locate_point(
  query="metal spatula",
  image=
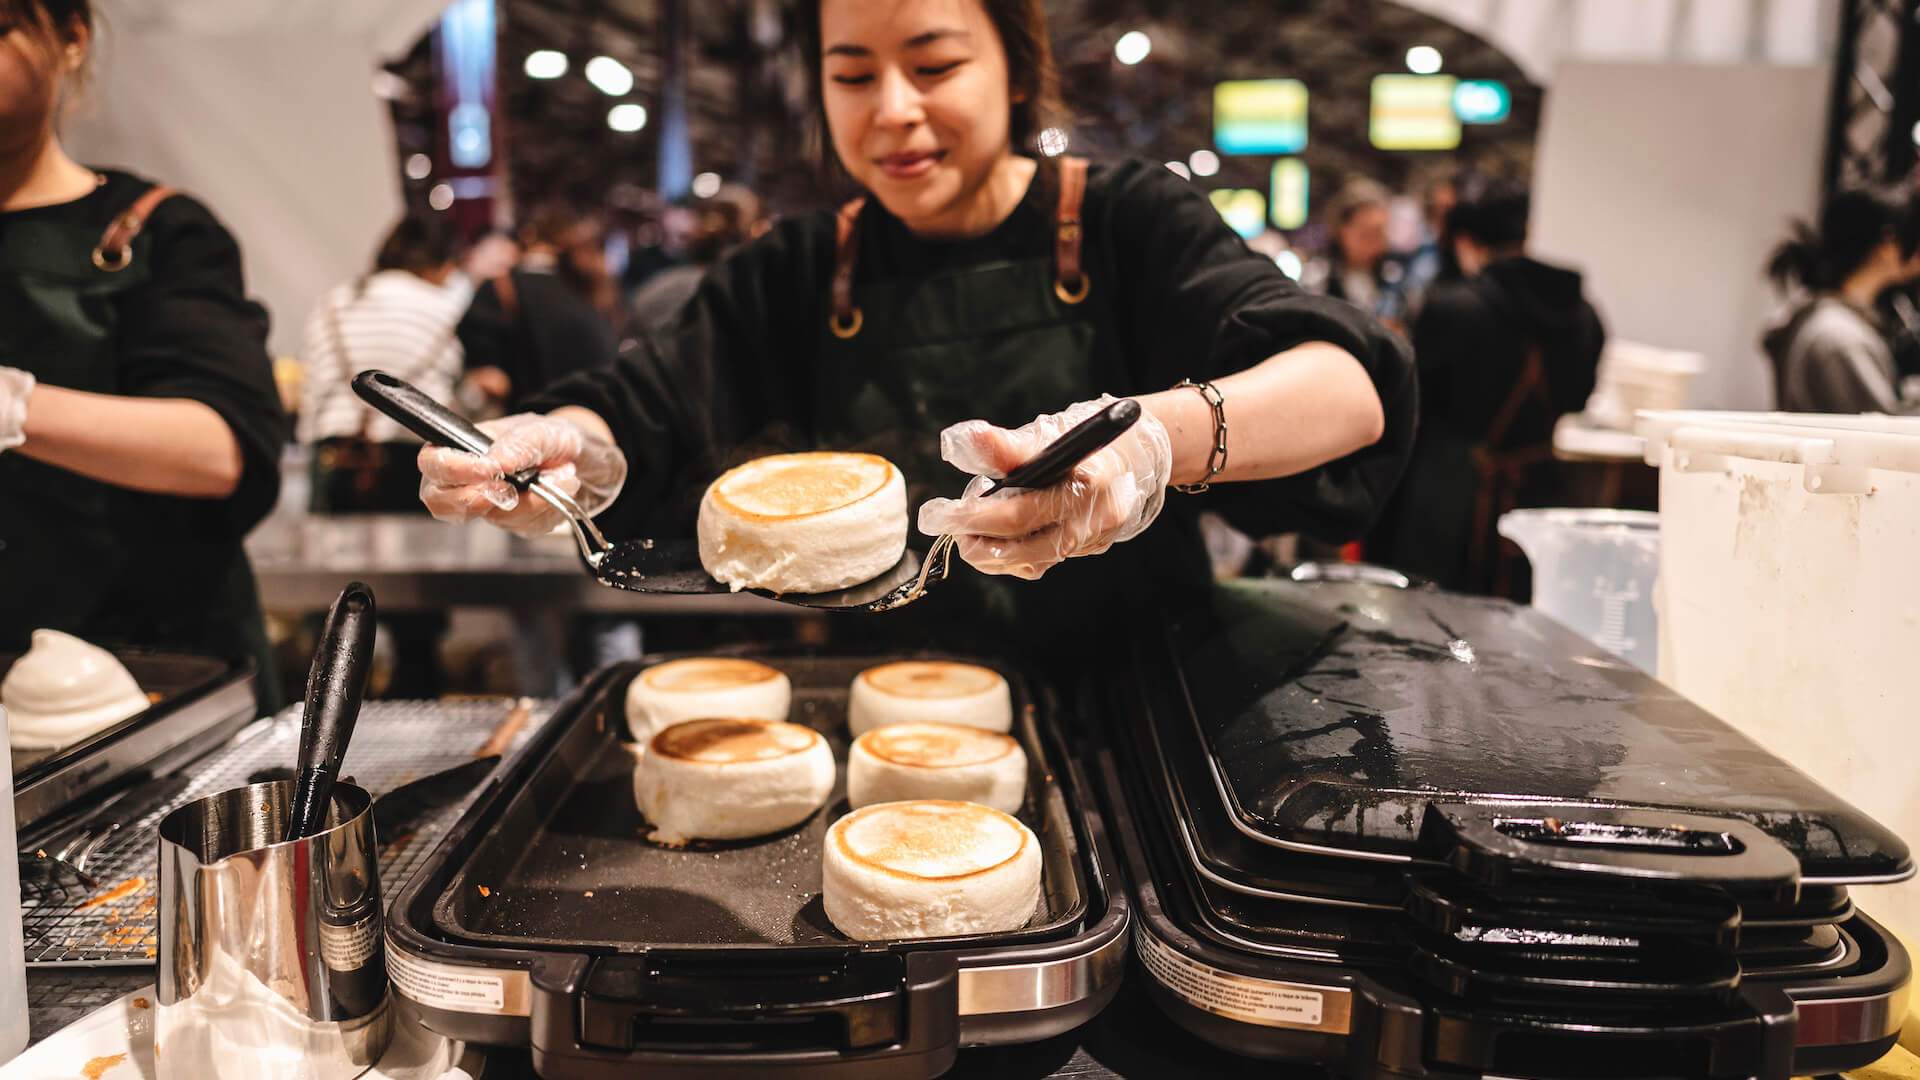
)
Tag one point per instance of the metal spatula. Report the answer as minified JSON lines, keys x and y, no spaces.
{"x":673,"y":566}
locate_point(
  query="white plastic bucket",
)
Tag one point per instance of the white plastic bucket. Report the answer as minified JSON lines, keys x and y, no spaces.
{"x":1593,"y":570}
{"x":1789,"y":597}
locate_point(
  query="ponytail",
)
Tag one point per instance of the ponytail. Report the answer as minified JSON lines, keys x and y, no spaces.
{"x":1853,"y":225}
{"x":1796,"y":262}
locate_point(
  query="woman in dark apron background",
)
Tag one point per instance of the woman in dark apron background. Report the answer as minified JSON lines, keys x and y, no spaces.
{"x":982,"y":280}
{"x":139,"y":426}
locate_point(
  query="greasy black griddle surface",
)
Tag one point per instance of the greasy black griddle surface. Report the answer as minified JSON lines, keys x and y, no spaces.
{"x":567,"y":863}
{"x":1334,"y":713}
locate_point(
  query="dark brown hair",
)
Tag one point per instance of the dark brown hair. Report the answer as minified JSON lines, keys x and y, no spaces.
{"x":1031,"y":75}
{"x":1853,"y":224}
{"x":48,"y":21}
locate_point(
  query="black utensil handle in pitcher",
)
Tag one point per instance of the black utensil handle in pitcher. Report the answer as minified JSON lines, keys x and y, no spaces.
{"x":335,"y":684}
{"x":1051,"y":465}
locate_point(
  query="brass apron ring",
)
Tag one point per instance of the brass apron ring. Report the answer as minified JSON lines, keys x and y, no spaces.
{"x":846,"y":330}
{"x":117,"y":263}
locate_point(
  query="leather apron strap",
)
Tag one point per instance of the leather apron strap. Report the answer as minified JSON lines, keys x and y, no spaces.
{"x":1070,"y":282}
{"x":115,"y":249}
{"x":1501,"y":470}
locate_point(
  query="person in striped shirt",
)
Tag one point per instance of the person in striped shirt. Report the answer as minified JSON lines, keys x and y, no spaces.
{"x":400,"y":318}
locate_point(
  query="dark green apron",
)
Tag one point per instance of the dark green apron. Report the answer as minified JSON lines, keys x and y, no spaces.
{"x":1004,"y":342}
{"x":107,"y":564}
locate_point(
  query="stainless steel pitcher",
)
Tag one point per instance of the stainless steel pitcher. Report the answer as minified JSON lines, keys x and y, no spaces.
{"x":271,"y":954}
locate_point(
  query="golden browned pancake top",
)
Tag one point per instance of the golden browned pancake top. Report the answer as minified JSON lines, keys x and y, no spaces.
{"x":936,"y":746}
{"x":730,"y":742}
{"x":931,"y":679}
{"x":929,"y":838}
{"x":800,"y":485}
{"x":707,"y":673}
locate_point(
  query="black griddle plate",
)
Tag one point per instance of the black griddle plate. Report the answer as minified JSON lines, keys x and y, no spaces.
{"x":565,"y":866}
{"x":1336,"y":714}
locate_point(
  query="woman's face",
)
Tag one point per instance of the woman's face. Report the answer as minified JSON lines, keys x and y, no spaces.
{"x":31,"y":67}
{"x":917,"y":102}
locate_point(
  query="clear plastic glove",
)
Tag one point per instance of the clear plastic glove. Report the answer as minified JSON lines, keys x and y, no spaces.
{"x":458,"y":486}
{"x":15,"y":386}
{"x":1110,"y":497}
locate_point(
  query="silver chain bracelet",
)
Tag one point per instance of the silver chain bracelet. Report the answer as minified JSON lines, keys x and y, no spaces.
{"x":1217,"y":460}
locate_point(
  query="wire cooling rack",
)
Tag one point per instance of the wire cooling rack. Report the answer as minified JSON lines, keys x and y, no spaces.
{"x":394,"y":742}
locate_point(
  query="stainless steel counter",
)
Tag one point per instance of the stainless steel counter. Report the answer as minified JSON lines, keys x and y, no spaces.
{"x":415,"y":563}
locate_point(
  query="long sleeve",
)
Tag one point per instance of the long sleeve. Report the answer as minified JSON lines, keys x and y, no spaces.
{"x":1195,"y":302}
{"x":730,"y":379}
{"x":193,"y":333}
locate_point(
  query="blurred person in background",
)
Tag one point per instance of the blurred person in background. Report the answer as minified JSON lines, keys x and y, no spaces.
{"x":1834,"y":352}
{"x":1503,"y":352}
{"x":1430,"y":260}
{"x":659,"y":243}
{"x":727,"y":220}
{"x":547,"y":318}
{"x":400,"y":317}
{"x":140,"y":429}
{"x":1356,"y":269}
{"x":490,"y":256}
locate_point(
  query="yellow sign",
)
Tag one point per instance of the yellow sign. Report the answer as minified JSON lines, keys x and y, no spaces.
{"x":1413,"y":112}
{"x":1289,"y":202}
{"x":1260,"y":116}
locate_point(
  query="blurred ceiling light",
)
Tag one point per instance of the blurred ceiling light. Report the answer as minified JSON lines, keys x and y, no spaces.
{"x":627,"y":118}
{"x":1423,"y":60}
{"x":1132,"y":47}
{"x":1053,"y":142}
{"x":419,"y":167}
{"x":1916,"y":134}
{"x":1289,"y":264}
{"x":1179,"y":169}
{"x":609,"y":76}
{"x":706,"y":185}
{"x":1204,"y":162}
{"x":546,"y":64}
{"x":440,"y":197}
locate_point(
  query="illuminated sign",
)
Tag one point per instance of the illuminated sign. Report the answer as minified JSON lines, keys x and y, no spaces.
{"x":1413,"y":112}
{"x":1260,"y":116}
{"x":1481,"y":101}
{"x":1244,"y":209}
{"x":1288,"y":201}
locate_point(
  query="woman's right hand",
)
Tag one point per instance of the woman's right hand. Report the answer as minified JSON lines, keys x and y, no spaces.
{"x":458,"y":486}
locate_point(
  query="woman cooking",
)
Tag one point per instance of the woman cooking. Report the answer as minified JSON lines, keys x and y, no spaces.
{"x":973,"y":286}
{"x":139,"y":425}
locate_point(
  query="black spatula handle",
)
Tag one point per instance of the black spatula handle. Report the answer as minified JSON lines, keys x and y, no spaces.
{"x":1051,"y":465}
{"x":335,"y":685}
{"x":403,"y":403}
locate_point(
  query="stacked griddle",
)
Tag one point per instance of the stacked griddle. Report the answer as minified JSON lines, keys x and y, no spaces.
{"x":1403,"y":833}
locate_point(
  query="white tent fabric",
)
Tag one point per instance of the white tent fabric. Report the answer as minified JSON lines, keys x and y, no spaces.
{"x":1541,"y":34}
{"x":264,"y":110}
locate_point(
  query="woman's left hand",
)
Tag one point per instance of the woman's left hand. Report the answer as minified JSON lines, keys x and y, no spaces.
{"x":1111,"y":496}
